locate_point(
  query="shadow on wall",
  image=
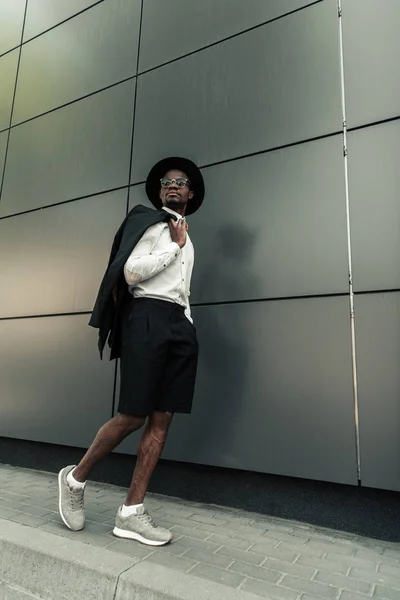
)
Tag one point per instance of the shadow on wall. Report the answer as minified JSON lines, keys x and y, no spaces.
{"x":223,"y":378}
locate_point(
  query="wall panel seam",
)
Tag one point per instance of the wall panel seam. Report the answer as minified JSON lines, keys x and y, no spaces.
{"x":12,"y":103}
{"x":61,"y":22}
{"x":206,"y":166}
{"x":230,"y":37}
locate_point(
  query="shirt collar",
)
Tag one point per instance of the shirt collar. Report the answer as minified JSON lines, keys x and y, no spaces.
{"x":172,"y":212}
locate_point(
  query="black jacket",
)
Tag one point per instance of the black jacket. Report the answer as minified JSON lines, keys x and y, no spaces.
{"x":113,"y":293}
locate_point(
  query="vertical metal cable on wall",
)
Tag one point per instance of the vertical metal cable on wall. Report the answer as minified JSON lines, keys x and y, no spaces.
{"x":349,"y":254}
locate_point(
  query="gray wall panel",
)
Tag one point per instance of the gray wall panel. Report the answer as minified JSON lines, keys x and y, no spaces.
{"x":8,"y":72}
{"x":374,"y":183}
{"x":222,"y":103}
{"x":378,"y":359}
{"x":371,"y":60}
{"x":56,"y":258}
{"x":11,"y":21}
{"x":274,"y":391}
{"x":43,"y":14}
{"x":54,"y":388}
{"x":200,"y":24}
{"x":83,"y":55}
{"x":276,"y":226}
{"x":76,"y":151}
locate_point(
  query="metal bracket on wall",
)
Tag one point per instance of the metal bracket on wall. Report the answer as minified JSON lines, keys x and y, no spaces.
{"x":349,"y":255}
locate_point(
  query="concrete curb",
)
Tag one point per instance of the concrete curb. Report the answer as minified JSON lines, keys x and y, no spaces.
{"x":56,"y":568}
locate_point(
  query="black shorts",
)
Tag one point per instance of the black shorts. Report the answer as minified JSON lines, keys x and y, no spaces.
{"x":158,"y":358}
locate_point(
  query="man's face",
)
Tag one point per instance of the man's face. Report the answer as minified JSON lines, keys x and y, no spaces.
{"x":173,"y":193}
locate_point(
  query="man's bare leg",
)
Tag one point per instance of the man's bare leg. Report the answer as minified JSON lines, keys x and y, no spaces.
{"x":108,"y":437}
{"x":149,"y":451}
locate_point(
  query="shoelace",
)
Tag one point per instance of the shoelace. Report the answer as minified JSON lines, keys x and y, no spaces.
{"x":146,"y":518}
{"x":76,"y":499}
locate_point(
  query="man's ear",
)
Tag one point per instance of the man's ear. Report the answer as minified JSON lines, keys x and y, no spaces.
{"x":191,"y":194}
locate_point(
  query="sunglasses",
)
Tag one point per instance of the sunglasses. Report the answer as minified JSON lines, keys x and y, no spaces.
{"x":180,"y":182}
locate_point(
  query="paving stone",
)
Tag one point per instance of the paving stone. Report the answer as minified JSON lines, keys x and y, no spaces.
{"x":302,"y":549}
{"x":228,"y":510}
{"x":345,"y":595}
{"x":208,"y":520}
{"x":280,"y":554}
{"x":368,"y":554}
{"x":101,"y":519}
{"x":273,"y":527}
{"x":255,"y":572}
{"x":174,"y":520}
{"x":249,"y":557}
{"x":333,"y":566}
{"x":328,"y":546}
{"x":84,"y":536}
{"x":129,"y":548}
{"x":226,"y":531}
{"x":206,"y":546}
{"x":387,"y":592}
{"x":177,"y":511}
{"x":275,"y":537}
{"x":207,"y":558}
{"x":263,"y":588}
{"x":175,"y":547}
{"x":100,"y":510}
{"x":391,"y":552}
{"x":389,"y":569}
{"x":28,"y":520}
{"x":290,"y":568}
{"x":170,"y":561}
{"x":319,"y":590}
{"x":232,"y":542}
{"x":7,"y":503}
{"x":12,"y":495}
{"x":309,"y":597}
{"x":347,"y":583}
{"x":240,"y":521}
{"x":250,"y":536}
{"x":372,"y":577}
{"x":265,"y":546}
{"x":160,"y":523}
{"x":354,"y":561}
{"x":218,"y":575}
{"x":195,"y":533}
{"x":34,"y":510}
{"x":307,"y":534}
{"x":8,"y":513}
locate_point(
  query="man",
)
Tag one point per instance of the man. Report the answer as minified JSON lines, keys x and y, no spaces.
{"x":143,"y":309}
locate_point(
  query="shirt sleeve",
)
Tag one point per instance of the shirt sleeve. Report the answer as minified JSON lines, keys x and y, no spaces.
{"x":143,"y":263}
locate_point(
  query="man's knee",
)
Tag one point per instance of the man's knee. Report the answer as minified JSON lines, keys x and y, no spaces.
{"x":130,"y":423}
{"x":159,"y":424}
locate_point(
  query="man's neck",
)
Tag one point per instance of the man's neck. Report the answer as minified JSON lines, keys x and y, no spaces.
{"x":174,"y":212}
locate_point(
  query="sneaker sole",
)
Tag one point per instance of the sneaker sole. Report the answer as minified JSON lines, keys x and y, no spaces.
{"x":131,"y":535}
{"x":60,"y":503}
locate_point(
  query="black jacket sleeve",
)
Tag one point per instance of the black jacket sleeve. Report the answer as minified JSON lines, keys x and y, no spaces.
{"x":113,"y":292}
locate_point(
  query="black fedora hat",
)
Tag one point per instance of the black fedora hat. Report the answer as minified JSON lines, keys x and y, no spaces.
{"x":181,"y":164}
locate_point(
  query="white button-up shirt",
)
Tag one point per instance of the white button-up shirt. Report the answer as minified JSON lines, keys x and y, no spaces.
{"x":159,"y":268}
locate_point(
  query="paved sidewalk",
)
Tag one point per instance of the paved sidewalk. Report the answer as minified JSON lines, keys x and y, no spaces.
{"x":268,"y":557}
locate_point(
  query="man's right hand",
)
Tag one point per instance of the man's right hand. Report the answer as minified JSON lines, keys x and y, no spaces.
{"x":178,"y":231}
